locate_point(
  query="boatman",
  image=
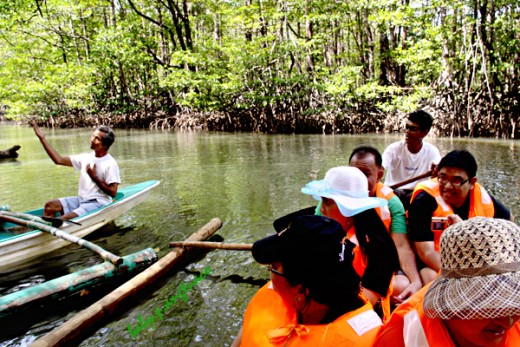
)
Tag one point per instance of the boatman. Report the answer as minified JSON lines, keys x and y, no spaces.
{"x":98,"y":180}
{"x":412,"y":157}
{"x":452,"y":197}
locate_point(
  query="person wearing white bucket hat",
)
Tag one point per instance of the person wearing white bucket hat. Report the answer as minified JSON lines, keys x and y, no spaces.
{"x":345,"y":198}
{"x":476,"y":299}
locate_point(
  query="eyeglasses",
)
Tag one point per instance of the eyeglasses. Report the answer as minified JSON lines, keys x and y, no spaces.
{"x":456,"y":182}
{"x":272,"y":269}
{"x":412,"y":128}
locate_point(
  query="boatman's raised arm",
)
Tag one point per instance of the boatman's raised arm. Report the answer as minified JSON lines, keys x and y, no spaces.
{"x":53,"y":154}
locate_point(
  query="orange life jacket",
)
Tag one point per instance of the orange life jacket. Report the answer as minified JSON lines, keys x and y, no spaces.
{"x":480,"y":203}
{"x":265,"y":311}
{"x":268,"y":322}
{"x":418,"y":330}
{"x":386,"y":193}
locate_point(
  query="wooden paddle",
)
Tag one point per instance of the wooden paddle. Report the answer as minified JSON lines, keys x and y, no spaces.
{"x":410,"y":180}
{"x":213,"y":245}
{"x":106,"y":255}
{"x":57,"y":222}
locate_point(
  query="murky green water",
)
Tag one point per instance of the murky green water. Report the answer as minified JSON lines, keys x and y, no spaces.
{"x":247,"y":180}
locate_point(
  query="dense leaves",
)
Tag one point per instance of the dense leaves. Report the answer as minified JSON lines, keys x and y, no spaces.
{"x":263,"y":65}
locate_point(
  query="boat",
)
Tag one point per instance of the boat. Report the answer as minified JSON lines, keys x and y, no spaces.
{"x":24,"y":246}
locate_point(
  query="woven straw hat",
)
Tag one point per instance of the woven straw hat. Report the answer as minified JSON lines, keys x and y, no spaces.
{"x":348,"y":187}
{"x":480,"y":276}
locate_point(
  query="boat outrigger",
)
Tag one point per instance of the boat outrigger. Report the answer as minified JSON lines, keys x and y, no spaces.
{"x":16,"y":247}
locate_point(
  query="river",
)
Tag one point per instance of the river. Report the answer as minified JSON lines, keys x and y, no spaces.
{"x":246,"y":180}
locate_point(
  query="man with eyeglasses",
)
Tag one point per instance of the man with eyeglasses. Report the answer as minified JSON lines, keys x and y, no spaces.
{"x":452,"y":197}
{"x":410,"y":157}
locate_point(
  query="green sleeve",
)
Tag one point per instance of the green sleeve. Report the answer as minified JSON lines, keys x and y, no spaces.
{"x":318,"y":208}
{"x":398,"y":216}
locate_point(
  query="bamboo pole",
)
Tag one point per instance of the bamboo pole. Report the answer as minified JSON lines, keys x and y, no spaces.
{"x":27,"y":217}
{"x":77,"y":327}
{"x":55,"y":222}
{"x":410,"y":180}
{"x":213,"y":245}
{"x":106,"y":255}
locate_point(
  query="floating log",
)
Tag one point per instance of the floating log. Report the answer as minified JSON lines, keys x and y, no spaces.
{"x":213,"y":245}
{"x":73,"y":283}
{"x":84,"y":322}
{"x":10,"y":153}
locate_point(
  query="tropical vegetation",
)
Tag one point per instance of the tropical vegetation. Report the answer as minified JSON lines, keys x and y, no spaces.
{"x":278,"y":66}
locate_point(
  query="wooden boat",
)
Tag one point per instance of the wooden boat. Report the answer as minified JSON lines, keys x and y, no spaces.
{"x":16,"y":247}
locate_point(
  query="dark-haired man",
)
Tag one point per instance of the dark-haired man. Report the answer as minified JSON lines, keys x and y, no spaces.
{"x":412,"y":156}
{"x":454,"y":195}
{"x":99,"y":175}
{"x":369,"y":161}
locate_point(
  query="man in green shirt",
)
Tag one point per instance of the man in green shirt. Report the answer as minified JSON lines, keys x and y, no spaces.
{"x":369,"y":161}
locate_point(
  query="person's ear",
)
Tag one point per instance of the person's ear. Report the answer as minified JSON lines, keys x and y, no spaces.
{"x":472,"y":182}
{"x":380,"y":173}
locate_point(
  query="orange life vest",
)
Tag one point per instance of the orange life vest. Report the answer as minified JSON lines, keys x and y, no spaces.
{"x":480,"y":203}
{"x":265,"y":311}
{"x":386,"y":193}
{"x":268,"y":322}
{"x":418,"y":330}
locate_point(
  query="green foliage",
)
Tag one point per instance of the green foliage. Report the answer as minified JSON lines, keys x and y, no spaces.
{"x":261,"y":62}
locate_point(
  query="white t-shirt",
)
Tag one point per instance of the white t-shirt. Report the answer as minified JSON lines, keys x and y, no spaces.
{"x":106,"y":169}
{"x":400,"y":164}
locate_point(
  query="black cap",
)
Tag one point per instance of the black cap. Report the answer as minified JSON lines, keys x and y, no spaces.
{"x":283,"y":222}
{"x":315,"y":252}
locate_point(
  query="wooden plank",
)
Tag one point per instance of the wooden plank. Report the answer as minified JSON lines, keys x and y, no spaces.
{"x":76,"y":328}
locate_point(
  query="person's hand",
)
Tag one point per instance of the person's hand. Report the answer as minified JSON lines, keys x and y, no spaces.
{"x":411,"y":289}
{"x":434,"y":170}
{"x":37,"y":130}
{"x":91,"y":170}
{"x":454,"y":218}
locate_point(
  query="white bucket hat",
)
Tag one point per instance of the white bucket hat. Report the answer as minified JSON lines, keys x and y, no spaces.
{"x":348,"y":187}
{"x":480,"y":276}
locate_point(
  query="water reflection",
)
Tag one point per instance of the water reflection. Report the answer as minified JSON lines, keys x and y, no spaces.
{"x":247,"y":180}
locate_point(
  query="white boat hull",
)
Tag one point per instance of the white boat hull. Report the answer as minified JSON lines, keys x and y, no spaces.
{"x":33,"y":244}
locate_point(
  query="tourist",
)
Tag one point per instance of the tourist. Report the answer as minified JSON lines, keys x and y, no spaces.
{"x":407,"y":280}
{"x":312,"y":272}
{"x":476,"y":299}
{"x":454,"y":195}
{"x":345,"y":198}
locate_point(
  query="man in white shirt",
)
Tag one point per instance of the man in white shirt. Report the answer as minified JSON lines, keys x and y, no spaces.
{"x":99,"y":175}
{"x":412,"y":156}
